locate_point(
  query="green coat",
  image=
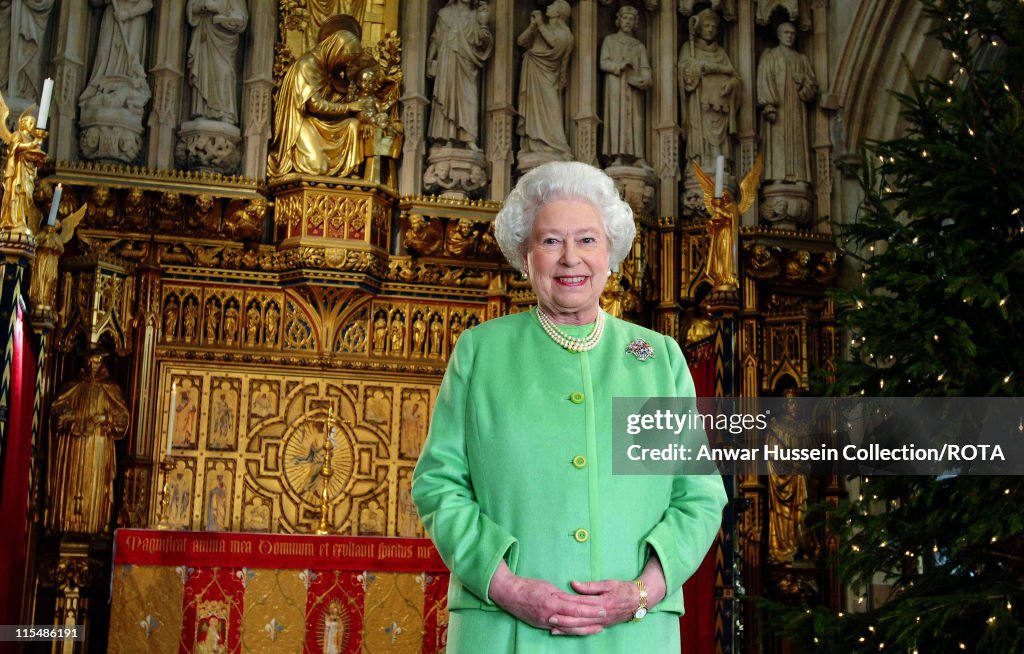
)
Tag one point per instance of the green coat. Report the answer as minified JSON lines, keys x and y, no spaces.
{"x":517,"y":464}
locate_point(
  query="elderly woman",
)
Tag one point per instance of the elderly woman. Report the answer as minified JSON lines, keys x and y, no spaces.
{"x":548,"y":550}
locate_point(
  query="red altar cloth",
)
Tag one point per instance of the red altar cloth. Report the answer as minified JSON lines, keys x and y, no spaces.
{"x":183,"y":593}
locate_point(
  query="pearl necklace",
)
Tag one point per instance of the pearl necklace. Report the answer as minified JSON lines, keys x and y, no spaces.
{"x":572,"y":343}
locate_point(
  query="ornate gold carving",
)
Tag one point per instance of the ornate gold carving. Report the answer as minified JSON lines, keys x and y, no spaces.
{"x":270,"y":480}
{"x":96,"y":301}
{"x":18,"y":211}
{"x":50,"y":242}
{"x":327,"y":212}
{"x":88,"y":416}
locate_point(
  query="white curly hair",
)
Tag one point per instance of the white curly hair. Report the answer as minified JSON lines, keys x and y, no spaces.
{"x":563,"y":180}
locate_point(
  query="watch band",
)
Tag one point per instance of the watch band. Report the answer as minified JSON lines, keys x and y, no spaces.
{"x":641,"y":609}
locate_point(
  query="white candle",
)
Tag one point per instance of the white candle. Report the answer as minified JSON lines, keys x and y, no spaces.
{"x":44,"y":103}
{"x":54,"y":205}
{"x":719,"y":176}
{"x":170,"y":418}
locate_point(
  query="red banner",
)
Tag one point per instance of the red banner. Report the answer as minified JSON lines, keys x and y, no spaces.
{"x":278,"y":551}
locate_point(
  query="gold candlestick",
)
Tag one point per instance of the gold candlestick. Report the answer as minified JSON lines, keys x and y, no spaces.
{"x":166,"y":465}
{"x":326,"y":472}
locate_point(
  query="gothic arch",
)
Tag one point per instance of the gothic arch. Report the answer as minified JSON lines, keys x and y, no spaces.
{"x":885,"y":39}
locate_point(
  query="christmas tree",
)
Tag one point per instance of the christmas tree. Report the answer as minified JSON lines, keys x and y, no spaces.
{"x":940,"y":237}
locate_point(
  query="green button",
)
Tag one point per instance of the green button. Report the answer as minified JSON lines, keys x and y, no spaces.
{"x":579,"y":461}
{"x":577,"y":398}
{"x":581,"y":535}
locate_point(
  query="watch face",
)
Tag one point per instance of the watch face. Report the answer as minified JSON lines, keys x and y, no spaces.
{"x":640,"y":613}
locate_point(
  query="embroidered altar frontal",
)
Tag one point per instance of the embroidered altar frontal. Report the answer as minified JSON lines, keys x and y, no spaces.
{"x":187,"y":592}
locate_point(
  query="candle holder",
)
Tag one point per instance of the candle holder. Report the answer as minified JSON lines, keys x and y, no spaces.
{"x":166,"y":465}
{"x":326,"y":472}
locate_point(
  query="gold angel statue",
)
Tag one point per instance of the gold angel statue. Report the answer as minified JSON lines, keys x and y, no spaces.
{"x":24,"y":156}
{"x":50,"y":242}
{"x":723,"y":225}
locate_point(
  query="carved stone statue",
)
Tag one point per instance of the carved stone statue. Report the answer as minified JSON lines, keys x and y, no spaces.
{"x":216,"y":28}
{"x":24,"y":156}
{"x":211,"y":140}
{"x":709,"y":91}
{"x":88,"y":416}
{"x":785,"y":85}
{"x":113,"y":100}
{"x":25,"y":31}
{"x":627,"y":78}
{"x":459,"y":46}
{"x":541,"y":126}
{"x":317,"y":130}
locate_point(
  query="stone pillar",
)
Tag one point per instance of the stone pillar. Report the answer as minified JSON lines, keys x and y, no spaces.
{"x":257,"y":109}
{"x":583,"y":91}
{"x":746,"y":59}
{"x":69,"y":78}
{"x":820,"y":132}
{"x":501,"y":113}
{"x":665,"y":115}
{"x":415,"y":37}
{"x":168,"y":54}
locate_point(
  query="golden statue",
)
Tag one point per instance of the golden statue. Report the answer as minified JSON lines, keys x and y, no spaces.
{"x":24,"y":156}
{"x":337,"y":106}
{"x":787,"y":490}
{"x":723,"y":225}
{"x":50,"y":242}
{"x":88,"y":416}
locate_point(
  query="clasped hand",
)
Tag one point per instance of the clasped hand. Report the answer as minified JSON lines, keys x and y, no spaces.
{"x":594,"y":606}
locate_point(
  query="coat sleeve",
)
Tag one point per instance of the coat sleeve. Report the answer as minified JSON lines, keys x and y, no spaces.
{"x":694,"y":513}
{"x":471,"y":544}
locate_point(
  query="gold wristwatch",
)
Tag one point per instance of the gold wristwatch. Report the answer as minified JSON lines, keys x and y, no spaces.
{"x":641,"y":610}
